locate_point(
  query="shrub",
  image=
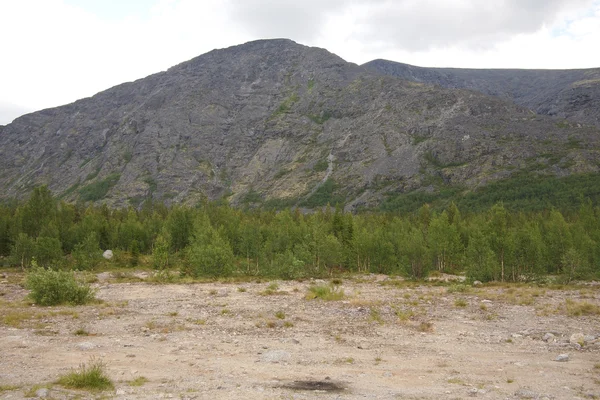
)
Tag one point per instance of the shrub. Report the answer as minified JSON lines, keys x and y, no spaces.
{"x":91,"y":377}
{"x":325,"y":292}
{"x":50,"y":288}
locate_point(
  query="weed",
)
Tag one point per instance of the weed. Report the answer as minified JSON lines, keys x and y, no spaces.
{"x":280,"y":315}
{"x":404,"y":315}
{"x":81,"y":332}
{"x":288,"y":324}
{"x":139,"y":381}
{"x":425,"y":326}
{"x":483,"y":307}
{"x":460,"y":303}
{"x":456,"y":381}
{"x":509,"y":380}
{"x":8,"y":388}
{"x":271,"y":324}
{"x":225,"y":311}
{"x":241,"y":289}
{"x":272,"y":289}
{"x":213,"y":292}
{"x":458,"y":288}
{"x":173,"y":314}
{"x":324,"y":292}
{"x":376,"y":316}
{"x":91,"y":377}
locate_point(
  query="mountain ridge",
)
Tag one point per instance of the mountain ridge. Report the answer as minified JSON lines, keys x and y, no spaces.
{"x":275,"y":121}
{"x":566,"y":93}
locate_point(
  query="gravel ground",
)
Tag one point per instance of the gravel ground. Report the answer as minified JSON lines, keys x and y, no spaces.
{"x":386,"y":339}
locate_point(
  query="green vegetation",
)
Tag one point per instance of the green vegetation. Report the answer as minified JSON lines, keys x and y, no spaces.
{"x":90,"y":377}
{"x":325,"y":292}
{"x":97,"y":190}
{"x":49,"y":288}
{"x":214,"y":241}
{"x":324,"y":195}
{"x":321,"y":166}
{"x":527,"y":192}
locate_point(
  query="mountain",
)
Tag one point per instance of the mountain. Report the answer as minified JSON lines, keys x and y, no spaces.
{"x":572,"y":94}
{"x":274,"y":122}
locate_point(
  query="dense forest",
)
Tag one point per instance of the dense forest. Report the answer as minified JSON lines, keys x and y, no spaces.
{"x":215,"y":240}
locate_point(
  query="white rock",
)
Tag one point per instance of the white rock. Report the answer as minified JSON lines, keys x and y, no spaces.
{"x":86,"y":346}
{"x":42,"y":393}
{"x":108,"y":254}
{"x":562,"y":358}
{"x":577,"y":338}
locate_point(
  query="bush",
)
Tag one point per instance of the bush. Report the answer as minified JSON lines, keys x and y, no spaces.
{"x":90,"y":377}
{"x":325,"y":292}
{"x":49,"y":288}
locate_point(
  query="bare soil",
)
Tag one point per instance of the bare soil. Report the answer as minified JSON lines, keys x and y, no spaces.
{"x":386,"y":339}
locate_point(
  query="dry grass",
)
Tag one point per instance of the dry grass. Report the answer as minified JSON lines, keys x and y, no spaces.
{"x":579,"y":308}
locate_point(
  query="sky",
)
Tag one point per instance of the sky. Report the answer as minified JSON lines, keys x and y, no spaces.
{"x":54,"y":52}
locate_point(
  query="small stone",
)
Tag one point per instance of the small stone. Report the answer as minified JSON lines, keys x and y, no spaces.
{"x":86,"y":346}
{"x":562,"y":358}
{"x":486,"y":301}
{"x":577,"y":338}
{"x":477,"y":283}
{"x":108,"y":254}
{"x":548,"y":337}
{"x":42,"y":393}
{"x":473,"y":392}
{"x":120,"y":392}
{"x":526,"y":394}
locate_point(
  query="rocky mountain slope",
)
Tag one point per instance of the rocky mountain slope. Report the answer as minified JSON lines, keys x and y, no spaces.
{"x":573,"y":94}
{"x":275,"y":121}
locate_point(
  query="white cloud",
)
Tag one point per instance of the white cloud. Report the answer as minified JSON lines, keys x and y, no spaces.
{"x":59,"y":52}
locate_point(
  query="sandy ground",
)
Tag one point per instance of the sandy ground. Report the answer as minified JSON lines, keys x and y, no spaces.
{"x":386,"y":339}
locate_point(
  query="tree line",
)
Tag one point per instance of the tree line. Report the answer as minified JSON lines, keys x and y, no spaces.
{"x":215,"y":240}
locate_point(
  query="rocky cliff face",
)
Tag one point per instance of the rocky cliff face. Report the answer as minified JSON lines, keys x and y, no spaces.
{"x":274,"y":120}
{"x":573,"y":94}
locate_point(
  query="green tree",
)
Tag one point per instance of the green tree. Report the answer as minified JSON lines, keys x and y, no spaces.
{"x":209,"y":254}
{"x":87,"y":254}
{"x":23,"y":250}
{"x":160,"y":252}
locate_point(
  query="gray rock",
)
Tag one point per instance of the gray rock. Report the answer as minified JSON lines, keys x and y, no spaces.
{"x":275,"y":356}
{"x":526,"y":394}
{"x":477,"y":283}
{"x":42,"y":393}
{"x":562,"y":358}
{"x":108,"y":254}
{"x":548,"y":337}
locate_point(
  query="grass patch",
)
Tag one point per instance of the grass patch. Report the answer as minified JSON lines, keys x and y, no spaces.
{"x":580,"y":308}
{"x":98,"y":190}
{"x":139,"y":381}
{"x":280,"y":315}
{"x":325,"y":292}
{"x":89,"y":377}
{"x":460,"y":303}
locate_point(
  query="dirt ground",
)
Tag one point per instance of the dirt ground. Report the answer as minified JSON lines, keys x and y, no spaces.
{"x":385,"y":339}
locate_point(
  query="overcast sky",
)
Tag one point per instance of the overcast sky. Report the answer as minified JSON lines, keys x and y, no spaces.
{"x":54,"y":52}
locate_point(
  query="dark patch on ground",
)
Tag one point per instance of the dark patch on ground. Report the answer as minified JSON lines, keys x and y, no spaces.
{"x":326,"y":386}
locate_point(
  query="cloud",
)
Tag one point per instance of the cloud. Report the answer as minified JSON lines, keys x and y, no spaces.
{"x":298,"y":20}
{"x":9,"y":111}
